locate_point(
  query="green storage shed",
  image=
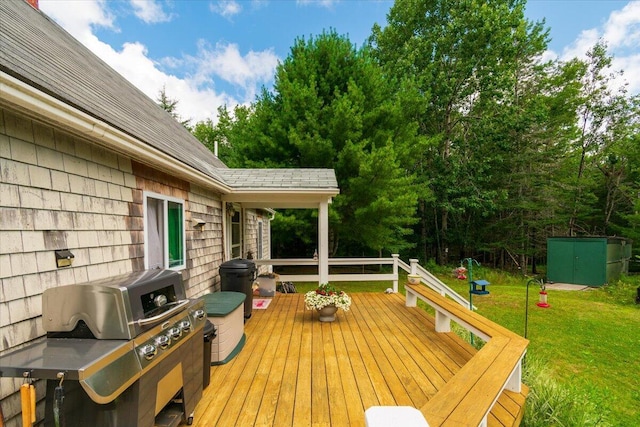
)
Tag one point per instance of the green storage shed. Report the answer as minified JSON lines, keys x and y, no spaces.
{"x":592,"y":261}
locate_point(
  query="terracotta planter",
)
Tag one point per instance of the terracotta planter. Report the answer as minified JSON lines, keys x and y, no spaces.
{"x":328,"y":313}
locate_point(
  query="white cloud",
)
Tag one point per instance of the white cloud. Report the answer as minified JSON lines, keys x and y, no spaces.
{"x":225,"y":61}
{"x":548,"y":55}
{"x":631,"y":67}
{"x":79,"y":17}
{"x":585,"y":41}
{"x":149,"y":11}
{"x":226,"y":8}
{"x":197,"y":96}
{"x":621,"y":32}
{"x":623,"y":27}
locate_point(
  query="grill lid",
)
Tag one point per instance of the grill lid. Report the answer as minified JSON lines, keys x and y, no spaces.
{"x":120,"y":307}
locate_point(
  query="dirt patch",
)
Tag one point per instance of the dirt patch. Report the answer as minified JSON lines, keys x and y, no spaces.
{"x":567,"y":287}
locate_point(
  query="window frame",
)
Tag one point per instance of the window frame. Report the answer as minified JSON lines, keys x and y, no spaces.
{"x":260,"y":241}
{"x":236,"y":209}
{"x":239,"y":228}
{"x":165,"y":229}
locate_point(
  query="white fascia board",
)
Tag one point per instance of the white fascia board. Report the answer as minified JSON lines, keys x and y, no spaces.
{"x":53,"y":111}
{"x":281,"y":198}
{"x":303,"y":192}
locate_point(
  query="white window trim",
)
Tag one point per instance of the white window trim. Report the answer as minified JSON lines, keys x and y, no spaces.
{"x":229,"y":231}
{"x":165,"y":199}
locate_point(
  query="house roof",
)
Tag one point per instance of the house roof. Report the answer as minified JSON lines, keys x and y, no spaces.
{"x":280,"y":188}
{"x":39,"y":53}
{"x":279,"y":178}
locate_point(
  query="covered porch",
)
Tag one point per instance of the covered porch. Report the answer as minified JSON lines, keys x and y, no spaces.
{"x":297,"y":371}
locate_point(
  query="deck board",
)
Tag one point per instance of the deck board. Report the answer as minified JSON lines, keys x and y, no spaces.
{"x":297,"y":371}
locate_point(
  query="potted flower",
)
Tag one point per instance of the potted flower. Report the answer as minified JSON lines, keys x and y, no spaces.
{"x":327,"y":300}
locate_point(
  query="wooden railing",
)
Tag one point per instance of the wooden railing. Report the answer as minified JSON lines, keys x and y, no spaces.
{"x":349,"y":277}
{"x":467,"y":398}
{"x":414,"y":268}
{"x":433,"y":282}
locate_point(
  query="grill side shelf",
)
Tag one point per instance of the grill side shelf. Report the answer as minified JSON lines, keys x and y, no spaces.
{"x":76,"y":358}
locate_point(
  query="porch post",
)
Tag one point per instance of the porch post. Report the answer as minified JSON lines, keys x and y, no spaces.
{"x":395,"y":272}
{"x":414,"y":265}
{"x":323,"y":242}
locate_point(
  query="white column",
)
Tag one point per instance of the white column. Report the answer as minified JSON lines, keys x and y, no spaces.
{"x":323,"y":242}
{"x":414,"y":265}
{"x":443,"y":322}
{"x":515,"y":379}
{"x":411,"y":299}
{"x":395,"y":272}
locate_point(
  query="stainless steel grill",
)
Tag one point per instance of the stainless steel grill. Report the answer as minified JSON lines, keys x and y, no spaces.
{"x":129,"y":350}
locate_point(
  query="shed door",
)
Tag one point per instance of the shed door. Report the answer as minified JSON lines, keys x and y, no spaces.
{"x":560,"y":261}
{"x":589,"y":257}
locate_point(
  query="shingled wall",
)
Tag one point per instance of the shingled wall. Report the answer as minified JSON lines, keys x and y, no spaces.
{"x":58,"y":191}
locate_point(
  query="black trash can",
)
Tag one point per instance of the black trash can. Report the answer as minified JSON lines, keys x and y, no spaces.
{"x":237,"y":275}
{"x":209,"y":335}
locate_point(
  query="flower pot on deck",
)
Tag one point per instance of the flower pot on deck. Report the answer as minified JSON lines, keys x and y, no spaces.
{"x":328,"y":313}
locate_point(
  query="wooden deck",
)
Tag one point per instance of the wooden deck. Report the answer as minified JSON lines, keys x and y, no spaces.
{"x":297,"y":371}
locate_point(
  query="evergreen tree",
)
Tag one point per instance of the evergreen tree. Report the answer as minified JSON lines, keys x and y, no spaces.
{"x":331,"y":107}
{"x":170,"y":105}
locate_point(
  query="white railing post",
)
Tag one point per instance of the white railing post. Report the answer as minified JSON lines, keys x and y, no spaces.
{"x":515,"y":380}
{"x":411,"y":299}
{"x":395,"y":272}
{"x":443,"y":322}
{"x":414,"y":266}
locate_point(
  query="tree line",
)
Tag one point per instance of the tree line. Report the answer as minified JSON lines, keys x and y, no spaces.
{"x":450,"y":136}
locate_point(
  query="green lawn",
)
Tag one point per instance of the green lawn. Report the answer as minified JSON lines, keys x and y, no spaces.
{"x":589,"y":340}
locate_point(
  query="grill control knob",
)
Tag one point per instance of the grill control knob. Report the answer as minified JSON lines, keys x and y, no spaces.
{"x":163,"y":341}
{"x":175,"y":333}
{"x":160,"y":300}
{"x":148,"y":351}
{"x":185,"y":325}
{"x":199,"y":314}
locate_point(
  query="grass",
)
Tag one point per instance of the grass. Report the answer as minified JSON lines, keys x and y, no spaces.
{"x":586,"y":347}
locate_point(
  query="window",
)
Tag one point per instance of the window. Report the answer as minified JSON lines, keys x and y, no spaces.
{"x":164,"y":232}
{"x":236,"y":235}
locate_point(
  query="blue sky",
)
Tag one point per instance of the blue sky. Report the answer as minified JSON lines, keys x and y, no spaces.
{"x":207,"y":53}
